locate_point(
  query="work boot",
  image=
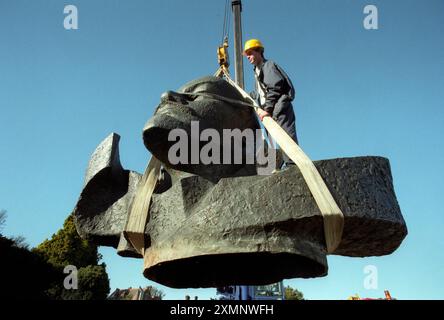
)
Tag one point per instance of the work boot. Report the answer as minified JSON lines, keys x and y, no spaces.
{"x":279,"y":160}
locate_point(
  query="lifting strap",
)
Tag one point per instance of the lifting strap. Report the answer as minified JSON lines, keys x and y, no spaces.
{"x":331,"y":213}
{"x":134,"y":231}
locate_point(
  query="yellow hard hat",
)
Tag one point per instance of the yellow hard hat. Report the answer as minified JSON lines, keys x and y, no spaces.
{"x":252,"y":43}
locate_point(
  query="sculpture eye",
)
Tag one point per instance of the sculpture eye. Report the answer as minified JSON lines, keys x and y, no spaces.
{"x":171,"y":96}
{"x":198,"y":97}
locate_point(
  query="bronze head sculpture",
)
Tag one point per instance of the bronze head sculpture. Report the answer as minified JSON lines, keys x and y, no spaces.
{"x":221,"y":224}
{"x":204,"y":104}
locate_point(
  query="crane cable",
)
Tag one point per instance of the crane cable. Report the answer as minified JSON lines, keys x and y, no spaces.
{"x":226,"y":25}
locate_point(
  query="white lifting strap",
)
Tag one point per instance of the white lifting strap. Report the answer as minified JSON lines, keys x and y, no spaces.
{"x":138,"y":216}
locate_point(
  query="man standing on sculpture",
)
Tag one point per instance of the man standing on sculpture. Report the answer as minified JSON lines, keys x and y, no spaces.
{"x":274,"y":91}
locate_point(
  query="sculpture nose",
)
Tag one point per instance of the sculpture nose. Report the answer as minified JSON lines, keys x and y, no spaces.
{"x":174,"y":97}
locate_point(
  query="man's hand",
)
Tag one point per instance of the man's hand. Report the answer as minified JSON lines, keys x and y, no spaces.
{"x":262,"y":114}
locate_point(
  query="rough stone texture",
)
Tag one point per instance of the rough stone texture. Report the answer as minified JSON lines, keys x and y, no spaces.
{"x":197,"y":225}
{"x":101,"y":211}
{"x":363,"y":189}
{"x":267,"y":228}
{"x":106,"y":156}
{"x":217,"y":225}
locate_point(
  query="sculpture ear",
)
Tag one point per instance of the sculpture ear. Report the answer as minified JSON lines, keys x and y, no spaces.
{"x":105,"y":195}
{"x":164,"y":181}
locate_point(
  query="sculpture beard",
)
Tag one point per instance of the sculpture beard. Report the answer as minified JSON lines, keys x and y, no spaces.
{"x":219,"y":224}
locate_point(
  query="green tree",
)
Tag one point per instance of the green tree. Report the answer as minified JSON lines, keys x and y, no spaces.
{"x":67,"y":248}
{"x":293,"y":294}
{"x":93,"y":284}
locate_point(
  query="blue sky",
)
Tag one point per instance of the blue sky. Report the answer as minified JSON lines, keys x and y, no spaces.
{"x":359,"y":92}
